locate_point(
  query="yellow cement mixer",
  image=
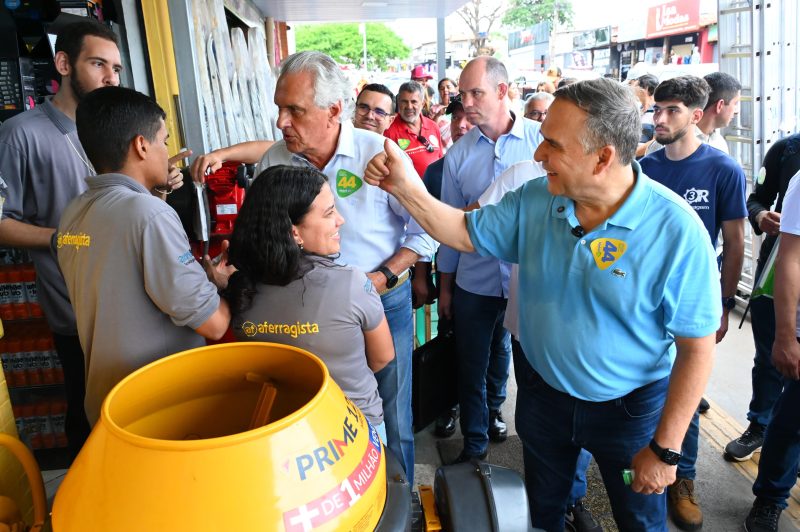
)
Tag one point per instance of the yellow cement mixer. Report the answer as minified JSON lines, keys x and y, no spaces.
{"x":243,"y":436}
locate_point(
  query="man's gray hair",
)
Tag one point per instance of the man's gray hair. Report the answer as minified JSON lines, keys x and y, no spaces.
{"x":330,"y":83}
{"x":613,"y":115}
{"x":541,"y":95}
{"x":412,"y":86}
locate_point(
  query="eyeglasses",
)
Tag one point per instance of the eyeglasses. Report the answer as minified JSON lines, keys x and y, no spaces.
{"x":535,"y":115}
{"x":364,"y":109}
{"x":422,"y":140}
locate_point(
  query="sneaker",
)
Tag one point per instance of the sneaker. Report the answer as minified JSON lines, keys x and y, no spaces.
{"x":743,"y":447}
{"x":683,"y":506}
{"x":703,"y":407}
{"x":763,"y":517}
{"x":580,"y":519}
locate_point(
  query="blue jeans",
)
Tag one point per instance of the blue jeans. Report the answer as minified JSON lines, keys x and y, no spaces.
{"x":484,"y":355}
{"x":767,"y":381}
{"x":777,"y":469}
{"x":686,"y":465}
{"x":394,"y":380}
{"x":554,"y":426}
{"x":579,"y":483}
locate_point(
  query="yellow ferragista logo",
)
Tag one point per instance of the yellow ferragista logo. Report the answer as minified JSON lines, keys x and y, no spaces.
{"x":79,"y":240}
{"x":288,"y":329}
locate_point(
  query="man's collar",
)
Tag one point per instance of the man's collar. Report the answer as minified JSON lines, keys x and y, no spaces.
{"x":517,"y":129}
{"x":628,"y":215}
{"x":345,"y":145}
{"x":115,"y":179}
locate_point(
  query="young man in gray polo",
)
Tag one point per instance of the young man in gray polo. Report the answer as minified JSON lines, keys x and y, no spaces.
{"x":42,"y":167}
{"x":137,"y":291}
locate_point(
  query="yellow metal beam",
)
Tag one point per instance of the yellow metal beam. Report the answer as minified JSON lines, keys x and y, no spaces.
{"x":163,"y":68}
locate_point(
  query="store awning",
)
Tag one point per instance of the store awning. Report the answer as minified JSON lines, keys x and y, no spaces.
{"x":356,"y":10}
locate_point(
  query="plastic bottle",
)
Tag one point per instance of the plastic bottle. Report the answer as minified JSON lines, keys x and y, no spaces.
{"x":58,"y":419}
{"x":18,"y":375}
{"x":6,"y":312}
{"x":16,"y":290}
{"x":44,"y":424}
{"x":5,"y":358}
{"x":32,"y":426}
{"x":58,"y":370}
{"x":44,"y":346}
{"x":29,"y":282}
{"x":31,"y":360}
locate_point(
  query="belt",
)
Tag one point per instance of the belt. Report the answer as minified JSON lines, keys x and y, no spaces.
{"x":403,"y":277}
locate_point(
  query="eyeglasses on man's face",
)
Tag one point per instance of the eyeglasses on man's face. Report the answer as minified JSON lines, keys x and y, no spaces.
{"x":535,"y":115}
{"x":364,"y":109}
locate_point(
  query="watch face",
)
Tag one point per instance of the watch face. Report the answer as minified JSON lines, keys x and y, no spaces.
{"x":670,"y":457}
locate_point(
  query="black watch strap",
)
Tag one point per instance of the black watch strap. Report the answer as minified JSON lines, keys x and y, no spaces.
{"x":729,"y":303}
{"x":391,"y":278}
{"x":668,"y":456}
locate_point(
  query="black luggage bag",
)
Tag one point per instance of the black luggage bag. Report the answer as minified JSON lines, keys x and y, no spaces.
{"x":479,"y":496}
{"x":433,"y":385}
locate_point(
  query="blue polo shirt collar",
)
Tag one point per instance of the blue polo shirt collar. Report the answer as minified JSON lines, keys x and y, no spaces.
{"x":629,"y":214}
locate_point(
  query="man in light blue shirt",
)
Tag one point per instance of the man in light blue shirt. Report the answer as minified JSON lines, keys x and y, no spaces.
{"x":480,"y":291}
{"x":619,"y":333}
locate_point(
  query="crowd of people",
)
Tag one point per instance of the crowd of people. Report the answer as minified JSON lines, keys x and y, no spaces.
{"x":578,"y":233}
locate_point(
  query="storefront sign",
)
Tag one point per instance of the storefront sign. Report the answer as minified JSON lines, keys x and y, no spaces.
{"x":673,"y":17}
{"x":536,"y":34}
{"x":596,"y":38}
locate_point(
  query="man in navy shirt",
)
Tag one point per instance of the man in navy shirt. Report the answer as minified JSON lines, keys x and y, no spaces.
{"x":714,"y":186}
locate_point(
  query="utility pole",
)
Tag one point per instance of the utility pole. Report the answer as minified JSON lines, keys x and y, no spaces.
{"x":362,"y":29}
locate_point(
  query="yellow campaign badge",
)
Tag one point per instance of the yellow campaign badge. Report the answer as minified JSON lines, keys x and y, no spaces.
{"x":347,"y":183}
{"x":607,"y":251}
{"x":403,"y":143}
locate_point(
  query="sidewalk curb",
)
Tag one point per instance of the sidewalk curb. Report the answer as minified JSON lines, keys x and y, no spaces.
{"x":719,"y":428}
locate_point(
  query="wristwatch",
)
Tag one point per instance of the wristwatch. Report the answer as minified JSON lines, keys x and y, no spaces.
{"x":391,"y":279}
{"x":728,"y":303}
{"x":668,"y":456}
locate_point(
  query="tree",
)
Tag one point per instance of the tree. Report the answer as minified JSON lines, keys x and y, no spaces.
{"x":526,"y":13}
{"x":343,"y":42}
{"x":480,"y":16}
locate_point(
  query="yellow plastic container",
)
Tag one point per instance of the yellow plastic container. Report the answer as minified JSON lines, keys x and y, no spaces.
{"x":172,"y":450}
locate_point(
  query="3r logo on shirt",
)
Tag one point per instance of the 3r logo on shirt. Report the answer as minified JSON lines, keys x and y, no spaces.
{"x":694,"y":195}
{"x":347,"y":183}
{"x":403,"y":143}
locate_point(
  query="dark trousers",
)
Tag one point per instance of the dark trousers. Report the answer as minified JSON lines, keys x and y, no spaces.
{"x":777,"y":469}
{"x":484,"y":357}
{"x":70,"y":354}
{"x":767,"y":381}
{"x":554,"y":426}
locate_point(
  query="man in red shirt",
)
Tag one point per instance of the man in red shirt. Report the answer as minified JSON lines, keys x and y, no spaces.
{"x":417,"y":135}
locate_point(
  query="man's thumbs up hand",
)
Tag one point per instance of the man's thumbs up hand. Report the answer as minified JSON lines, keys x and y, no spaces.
{"x":386,"y":169}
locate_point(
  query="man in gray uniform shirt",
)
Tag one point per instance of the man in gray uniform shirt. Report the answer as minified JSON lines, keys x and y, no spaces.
{"x":42,"y":167}
{"x":137,"y":291}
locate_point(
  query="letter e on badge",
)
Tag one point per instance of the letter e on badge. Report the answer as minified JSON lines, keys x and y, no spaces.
{"x":607,"y":251}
